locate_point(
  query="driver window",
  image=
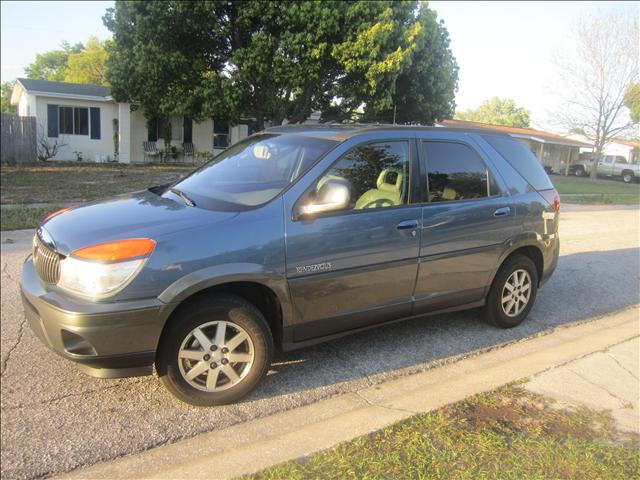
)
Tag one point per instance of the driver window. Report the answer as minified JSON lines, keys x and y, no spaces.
{"x":377,"y":175}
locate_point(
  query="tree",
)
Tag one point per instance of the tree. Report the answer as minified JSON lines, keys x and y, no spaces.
{"x":498,"y":111}
{"x":46,"y":147}
{"x":5,"y":98}
{"x":595,"y":74}
{"x":399,"y":69}
{"x":632,"y":101}
{"x":52,"y":65}
{"x":277,"y":61}
{"x":88,"y":65}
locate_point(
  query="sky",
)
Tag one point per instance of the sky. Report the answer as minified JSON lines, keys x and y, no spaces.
{"x":503,"y":49}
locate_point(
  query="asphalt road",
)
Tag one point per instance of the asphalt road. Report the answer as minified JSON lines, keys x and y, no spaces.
{"x":56,"y":419}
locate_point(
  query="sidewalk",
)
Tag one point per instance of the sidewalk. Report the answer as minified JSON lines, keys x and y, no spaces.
{"x":254,"y":445}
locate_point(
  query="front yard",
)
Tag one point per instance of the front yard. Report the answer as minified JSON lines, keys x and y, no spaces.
{"x":601,"y":191}
{"x":507,"y":433}
{"x":29,"y":193}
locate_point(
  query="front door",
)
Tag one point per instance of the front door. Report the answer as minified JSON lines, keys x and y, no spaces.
{"x":357,"y":266}
{"x":465,"y":222}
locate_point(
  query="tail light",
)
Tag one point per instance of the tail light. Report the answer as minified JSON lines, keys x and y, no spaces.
{"x":553,"y":197}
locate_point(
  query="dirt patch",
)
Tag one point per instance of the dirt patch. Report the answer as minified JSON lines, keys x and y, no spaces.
{"x":516,"y":410}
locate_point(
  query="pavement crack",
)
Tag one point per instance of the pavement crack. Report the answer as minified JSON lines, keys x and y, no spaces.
{"x":373,"y":404}
{"x":622,"y":366}
{"x":13,"y":347}
{"x":48,"y":401}
{"x":623,"y":402}
{"x":20,"y":330}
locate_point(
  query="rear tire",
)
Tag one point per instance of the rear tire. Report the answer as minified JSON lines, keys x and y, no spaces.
{"x":512,"y":293}
{"x":627,"y":177}
{"x":579,"y":171}
{"x":196,"y":356}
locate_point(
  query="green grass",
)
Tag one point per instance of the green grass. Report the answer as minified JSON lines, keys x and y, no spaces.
{"x":71,"y":182}
{"x":507,"y":433}
{"x":19,"y":217}
{"x":580,"y":185}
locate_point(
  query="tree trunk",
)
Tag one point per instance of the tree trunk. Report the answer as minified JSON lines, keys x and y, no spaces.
{"x":596,"y":159}
{"x":259,"y":121}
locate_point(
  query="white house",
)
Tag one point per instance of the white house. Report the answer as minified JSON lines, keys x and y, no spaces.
{"x":628,"y":149}
{"x":85,"y":118}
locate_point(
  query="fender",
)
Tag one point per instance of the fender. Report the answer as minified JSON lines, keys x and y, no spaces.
{"x":199,"y":280}
{"x":524,"y":239}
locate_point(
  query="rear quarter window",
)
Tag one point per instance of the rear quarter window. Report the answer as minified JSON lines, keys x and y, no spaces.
{"x":521,"y":159}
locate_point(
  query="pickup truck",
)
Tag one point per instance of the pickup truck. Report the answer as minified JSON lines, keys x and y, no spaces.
{"x":610,"y":166}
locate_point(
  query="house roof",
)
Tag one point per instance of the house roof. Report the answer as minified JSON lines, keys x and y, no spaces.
{"x":60,"y":89}
{"x":528,"y":133}
{"x":628,"y":143}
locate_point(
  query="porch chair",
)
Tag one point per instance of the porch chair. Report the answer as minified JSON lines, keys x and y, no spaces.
{"x":188,"y":151}
{"x":150,"y":150}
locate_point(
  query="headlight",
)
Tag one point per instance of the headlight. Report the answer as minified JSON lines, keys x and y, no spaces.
{"x":96,"y":279}
{"x":104,"y":269}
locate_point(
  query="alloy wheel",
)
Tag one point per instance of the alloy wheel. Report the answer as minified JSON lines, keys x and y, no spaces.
{"x":516,"y":293}
{"x":216,"y":356}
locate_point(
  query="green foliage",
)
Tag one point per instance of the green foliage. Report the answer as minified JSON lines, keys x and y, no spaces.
{"x":632,"y":101}
{"x":5,"y":98}
{"x":89,"y":65}
{"x":76,"y":64}
{"x":282,"y":60}
{"x":53,"y":65}
{"x":498,"y":111}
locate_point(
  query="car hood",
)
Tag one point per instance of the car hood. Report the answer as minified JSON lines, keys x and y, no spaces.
{"x":136,"y":215}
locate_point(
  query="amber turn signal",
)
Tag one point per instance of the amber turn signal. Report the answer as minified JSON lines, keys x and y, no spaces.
{"x":118,"y":250}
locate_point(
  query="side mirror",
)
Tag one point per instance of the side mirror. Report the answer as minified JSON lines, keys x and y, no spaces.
{"x":333,"y":195}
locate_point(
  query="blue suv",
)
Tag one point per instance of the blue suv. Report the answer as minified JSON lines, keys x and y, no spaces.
{"x":293,"y":236}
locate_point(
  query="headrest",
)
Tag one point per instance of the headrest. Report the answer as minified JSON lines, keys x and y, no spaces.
{"x":449,"y":194}
{"x":385,"y":178}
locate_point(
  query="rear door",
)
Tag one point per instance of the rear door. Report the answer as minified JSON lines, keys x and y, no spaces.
{"x":467,"y":216}
{"x":356,"y":267}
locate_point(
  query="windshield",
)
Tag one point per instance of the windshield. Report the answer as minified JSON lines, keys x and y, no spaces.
{"x":255,"y":170}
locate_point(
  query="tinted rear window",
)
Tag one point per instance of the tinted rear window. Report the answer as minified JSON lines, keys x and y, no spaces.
{"x":522,"y":159}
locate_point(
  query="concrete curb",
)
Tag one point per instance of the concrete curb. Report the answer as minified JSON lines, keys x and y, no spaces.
{"x":251,"y":446}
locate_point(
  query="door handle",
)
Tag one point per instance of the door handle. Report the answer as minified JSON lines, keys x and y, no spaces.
{"x":502,"y":212}
{"x":407,"y":225}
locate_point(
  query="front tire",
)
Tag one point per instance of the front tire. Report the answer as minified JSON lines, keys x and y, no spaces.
{"x":627,"y":177}
{"x":579,"y":171}
{"x":215,"y":352}
{"x":512,"y":293}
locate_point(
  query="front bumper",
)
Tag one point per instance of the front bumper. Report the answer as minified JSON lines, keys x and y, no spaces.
{"x":107,"y":340}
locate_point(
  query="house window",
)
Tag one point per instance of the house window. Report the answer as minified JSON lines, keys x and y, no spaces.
{"x":187,"y":129}
{"x":74,"y":120}
{"x":220,"y":134}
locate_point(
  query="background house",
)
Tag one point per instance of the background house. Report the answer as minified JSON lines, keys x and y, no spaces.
{"x":86,"y":117}
{"x":630,"y":150}
{"x":554,"y":151}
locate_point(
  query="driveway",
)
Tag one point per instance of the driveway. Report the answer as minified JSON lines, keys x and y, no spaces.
{"x":55,"y":419}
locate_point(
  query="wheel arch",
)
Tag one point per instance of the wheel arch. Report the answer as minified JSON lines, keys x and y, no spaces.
{"x":267,"y":291}
{"x":527,"y":248}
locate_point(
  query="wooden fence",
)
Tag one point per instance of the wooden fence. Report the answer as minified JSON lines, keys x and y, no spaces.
{"x":18,"y":139}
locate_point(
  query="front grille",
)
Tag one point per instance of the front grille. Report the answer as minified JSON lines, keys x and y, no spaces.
{"x":47,"y":262}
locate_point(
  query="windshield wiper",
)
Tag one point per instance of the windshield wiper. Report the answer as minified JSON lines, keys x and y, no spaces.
{"x":183,"y":196}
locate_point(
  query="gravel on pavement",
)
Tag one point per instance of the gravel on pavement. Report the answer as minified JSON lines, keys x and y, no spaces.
{"x":56,"y":419}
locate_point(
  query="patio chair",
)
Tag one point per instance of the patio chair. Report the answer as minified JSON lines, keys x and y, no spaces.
{"x":150,"y":150}
{"x":188,"y":151}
